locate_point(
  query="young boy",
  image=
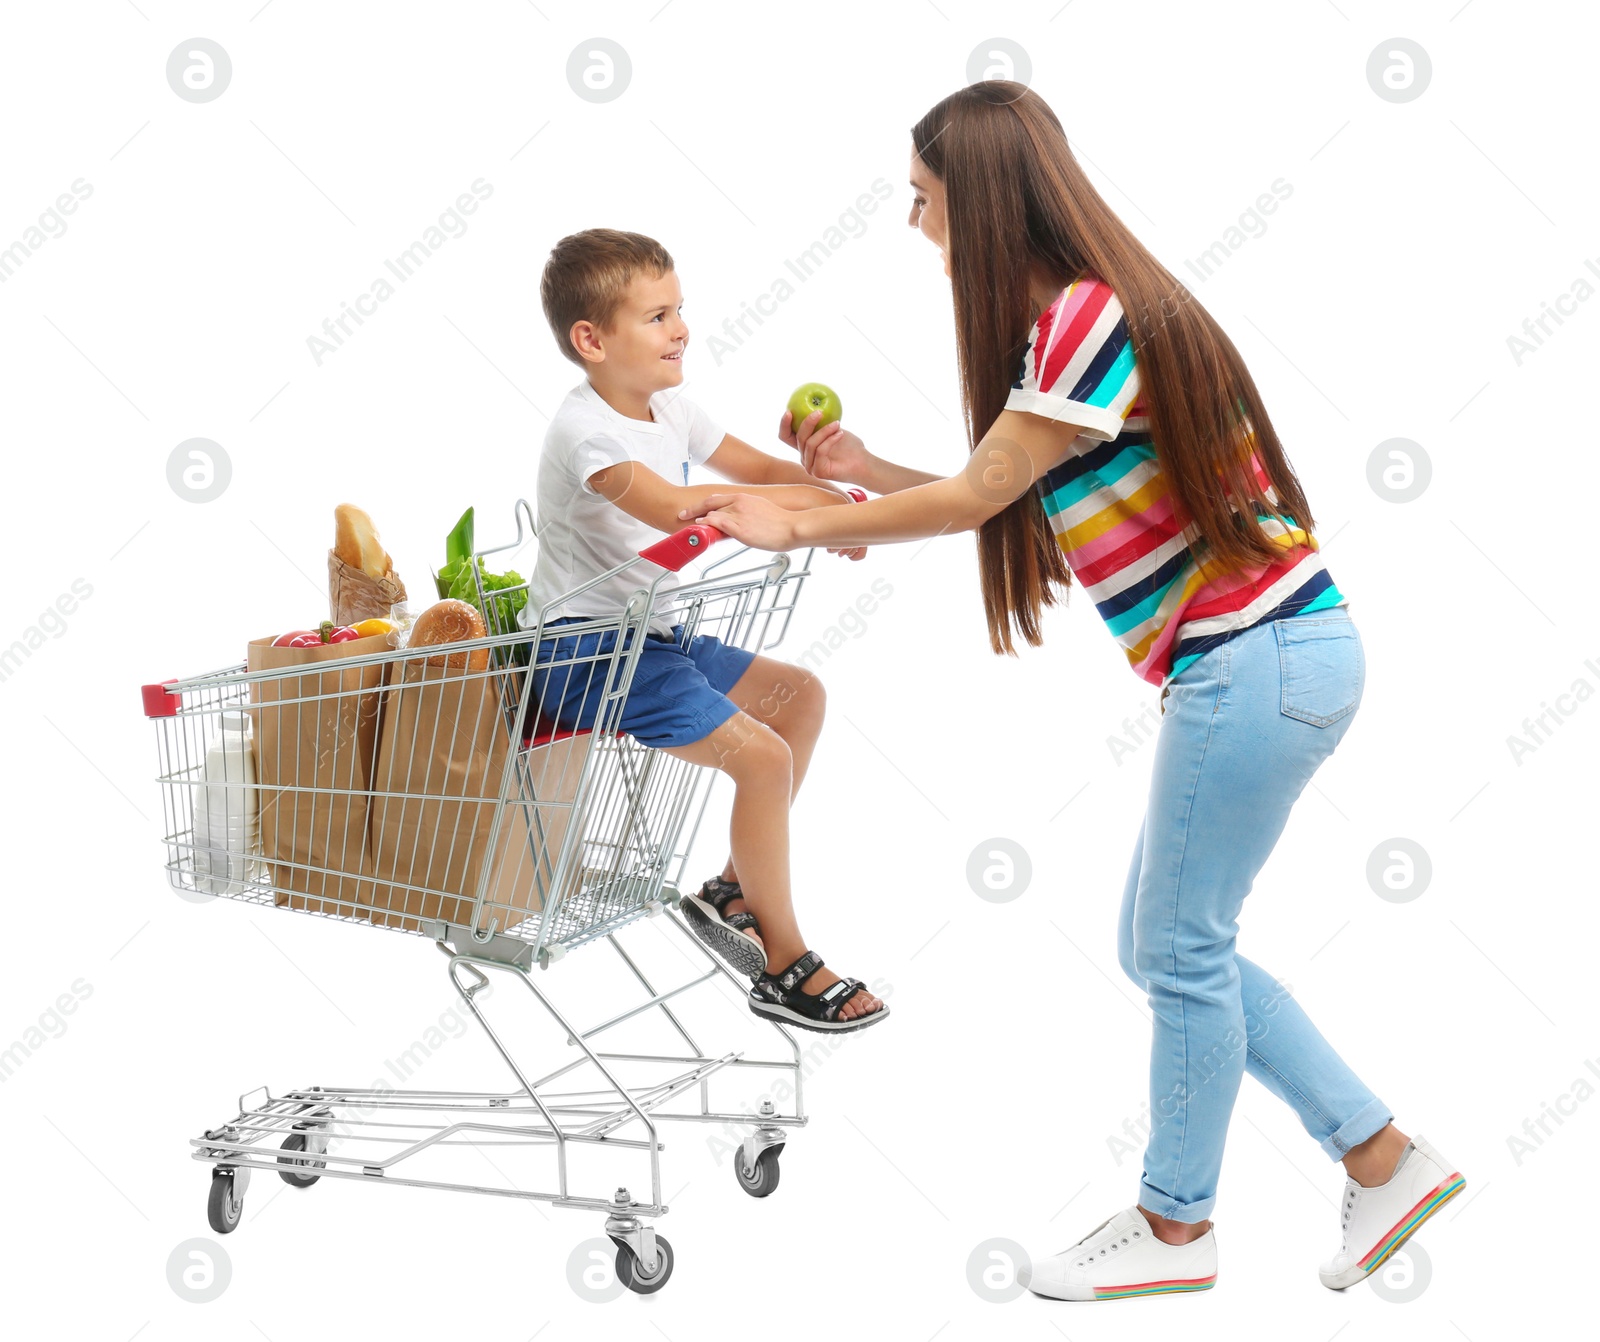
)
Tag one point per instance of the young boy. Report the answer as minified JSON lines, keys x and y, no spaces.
{"x":613,"y":477}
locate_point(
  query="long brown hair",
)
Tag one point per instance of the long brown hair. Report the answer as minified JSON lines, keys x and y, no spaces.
{"x":1018,"y":204}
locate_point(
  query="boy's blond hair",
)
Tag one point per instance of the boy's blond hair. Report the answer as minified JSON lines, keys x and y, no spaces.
{"x":587,"y":275}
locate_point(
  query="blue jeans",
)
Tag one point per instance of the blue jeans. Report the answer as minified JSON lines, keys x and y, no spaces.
{"x":1243,"y":728}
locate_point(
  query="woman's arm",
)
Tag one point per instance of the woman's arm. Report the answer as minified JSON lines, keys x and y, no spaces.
{"x":656,"y":502}
{"x":738,"y":461}
{"x":795,"y":496}
{"x":1018,"y":449}
{"x":886,"y":477}
{"x":942,"y":505}
{"x":834,"y":453}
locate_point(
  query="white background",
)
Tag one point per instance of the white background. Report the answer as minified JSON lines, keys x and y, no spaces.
{"x":1377,"y":304}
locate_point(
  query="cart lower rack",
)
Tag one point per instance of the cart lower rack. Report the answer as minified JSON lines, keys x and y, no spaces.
{"x":438,"y":792}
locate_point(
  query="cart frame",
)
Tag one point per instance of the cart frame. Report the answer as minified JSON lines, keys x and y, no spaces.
{"x":388,"y":1136}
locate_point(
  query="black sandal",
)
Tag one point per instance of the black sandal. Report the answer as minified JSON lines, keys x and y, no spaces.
{"x":725,"y":934}
{"x":778,"y":997}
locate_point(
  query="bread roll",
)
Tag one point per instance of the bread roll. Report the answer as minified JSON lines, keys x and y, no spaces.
{"x":356,"y":541}
{"x":451,"y":622}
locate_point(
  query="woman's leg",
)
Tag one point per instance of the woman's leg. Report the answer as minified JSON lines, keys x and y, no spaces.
{"x":1230,"y":763}
{"x":1312,"y":1094}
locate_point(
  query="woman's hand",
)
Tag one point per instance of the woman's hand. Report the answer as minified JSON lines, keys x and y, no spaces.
{"x":749,"y":519}
{"x":829,"y":453}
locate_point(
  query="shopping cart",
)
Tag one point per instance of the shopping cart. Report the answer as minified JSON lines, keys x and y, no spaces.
{"x":543,"y":841}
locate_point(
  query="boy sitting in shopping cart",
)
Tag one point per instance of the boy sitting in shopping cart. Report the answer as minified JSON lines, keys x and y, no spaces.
{"x":614,"y":476}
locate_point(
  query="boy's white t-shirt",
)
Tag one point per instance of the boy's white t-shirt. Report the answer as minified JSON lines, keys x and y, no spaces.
{"x":581,"y":533}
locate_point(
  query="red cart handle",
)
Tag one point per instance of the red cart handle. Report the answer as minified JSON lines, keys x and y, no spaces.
{"x":158,"y":703}
{"x":683,"y":545}
{"x":693,"y":541}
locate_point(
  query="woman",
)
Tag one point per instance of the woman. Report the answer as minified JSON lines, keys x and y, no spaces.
{"x":1117,"y":438}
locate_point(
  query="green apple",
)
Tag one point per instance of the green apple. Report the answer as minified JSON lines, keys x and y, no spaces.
{"x":814,"y":396}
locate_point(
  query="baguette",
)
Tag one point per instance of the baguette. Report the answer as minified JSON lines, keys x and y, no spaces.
{"x":356,"y":541}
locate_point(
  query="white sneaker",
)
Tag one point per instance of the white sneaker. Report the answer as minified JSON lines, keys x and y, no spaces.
{"x":1119,"y":1258}
{"x":1376,"y":1221}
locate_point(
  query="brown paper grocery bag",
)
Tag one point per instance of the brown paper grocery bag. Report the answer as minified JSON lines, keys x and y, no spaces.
{"x":442,"y":753}
{"x":354,"y":596}
{"x":316,"y":731}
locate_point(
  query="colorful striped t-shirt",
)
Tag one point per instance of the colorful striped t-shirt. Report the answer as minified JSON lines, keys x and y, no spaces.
{"x":1109,"y":506}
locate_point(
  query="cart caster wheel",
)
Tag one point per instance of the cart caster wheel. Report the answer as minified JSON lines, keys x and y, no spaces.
{"x":759,"y":1182}
{"x":632,"y":1276}
{"x":223,"y":1208}
{"x":296,"y":1141}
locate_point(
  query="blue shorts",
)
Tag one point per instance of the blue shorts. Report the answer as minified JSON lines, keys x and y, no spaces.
{"x":678,"y":696}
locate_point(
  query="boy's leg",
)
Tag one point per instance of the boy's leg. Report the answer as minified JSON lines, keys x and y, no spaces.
{"x":791,"y":701}
{"x":759,"y":762}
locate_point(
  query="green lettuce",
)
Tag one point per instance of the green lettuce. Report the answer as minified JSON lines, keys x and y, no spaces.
{"x":504,"y":594}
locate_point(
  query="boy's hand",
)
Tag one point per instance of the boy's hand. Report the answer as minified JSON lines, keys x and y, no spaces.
{"x":829,"y":453}
{"x":856,"y":552}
